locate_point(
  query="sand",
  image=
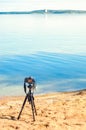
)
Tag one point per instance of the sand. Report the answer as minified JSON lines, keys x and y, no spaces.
{"x":57,"y":111}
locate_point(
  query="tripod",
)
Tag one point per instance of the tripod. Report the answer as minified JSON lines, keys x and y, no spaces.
{"x":30,"y":98}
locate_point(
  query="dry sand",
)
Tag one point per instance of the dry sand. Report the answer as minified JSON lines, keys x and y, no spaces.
{"x":58,"y":111}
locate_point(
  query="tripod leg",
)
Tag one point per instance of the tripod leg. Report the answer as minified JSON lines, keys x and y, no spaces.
{"x":32,"y":106}
{"x":22,"y":106}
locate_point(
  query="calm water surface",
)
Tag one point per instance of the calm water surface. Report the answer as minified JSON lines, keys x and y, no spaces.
{"x":51,"y":48}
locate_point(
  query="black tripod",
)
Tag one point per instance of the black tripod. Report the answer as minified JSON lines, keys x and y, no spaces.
{"x":30,"y":98}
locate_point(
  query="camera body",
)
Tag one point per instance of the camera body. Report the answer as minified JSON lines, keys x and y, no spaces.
{"x":29,"y":83}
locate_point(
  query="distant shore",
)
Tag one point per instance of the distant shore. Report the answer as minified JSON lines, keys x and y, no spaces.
{"x":44,"y":11}
{"x":62,"y":111}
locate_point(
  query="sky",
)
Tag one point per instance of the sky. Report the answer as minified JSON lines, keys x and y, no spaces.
{"x":26,"y":5}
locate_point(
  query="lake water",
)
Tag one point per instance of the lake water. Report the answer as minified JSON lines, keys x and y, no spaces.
{"x":49,"y":47}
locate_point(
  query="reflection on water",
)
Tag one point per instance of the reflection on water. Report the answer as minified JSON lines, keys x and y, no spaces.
{"x":52,"y":71}
{"x":48,"y":33}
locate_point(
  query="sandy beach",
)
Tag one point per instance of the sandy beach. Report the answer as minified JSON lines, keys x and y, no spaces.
{"x":55,"y":111}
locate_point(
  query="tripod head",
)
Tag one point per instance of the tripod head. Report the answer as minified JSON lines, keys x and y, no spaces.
{"x":30,"y":86}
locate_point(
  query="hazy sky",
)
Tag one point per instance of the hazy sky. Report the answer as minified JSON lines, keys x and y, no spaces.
{"x":42,"y":4}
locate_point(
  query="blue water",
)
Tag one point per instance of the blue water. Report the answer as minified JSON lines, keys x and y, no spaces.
{"x":49,"y":47}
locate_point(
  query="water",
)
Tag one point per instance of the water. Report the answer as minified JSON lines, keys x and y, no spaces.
{"x":49,"y":47}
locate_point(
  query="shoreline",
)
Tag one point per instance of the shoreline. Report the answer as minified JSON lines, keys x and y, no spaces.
{"x":48,"y":93}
